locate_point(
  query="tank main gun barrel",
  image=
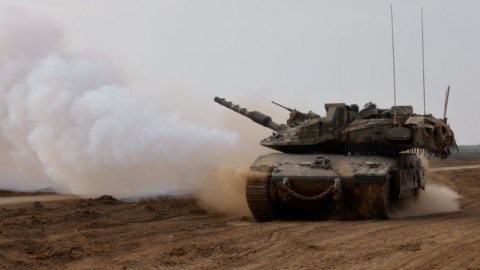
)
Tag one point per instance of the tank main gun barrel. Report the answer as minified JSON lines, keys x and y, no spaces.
{"x":256,"y":116}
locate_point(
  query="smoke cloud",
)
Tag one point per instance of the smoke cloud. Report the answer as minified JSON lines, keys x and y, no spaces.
{"x":70,"y":121}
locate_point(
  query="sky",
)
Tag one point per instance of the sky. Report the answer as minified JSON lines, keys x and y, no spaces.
{"x":301,"y":54}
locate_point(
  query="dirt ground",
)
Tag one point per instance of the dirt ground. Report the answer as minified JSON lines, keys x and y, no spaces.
{"x":176,"y":233}
{"x":9,"y":193}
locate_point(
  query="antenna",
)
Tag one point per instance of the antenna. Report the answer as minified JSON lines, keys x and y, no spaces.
{"x":447,"y":93}
{"x":423,"y":63}
{"x":340,"y":76}
{"x":394,"y":89}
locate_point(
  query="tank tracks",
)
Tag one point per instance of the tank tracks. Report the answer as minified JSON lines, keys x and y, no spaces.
{"x":258,"y":199}
{"x":382,"y":203}
{"x":262,"y":210}
{"x":377,"y":203}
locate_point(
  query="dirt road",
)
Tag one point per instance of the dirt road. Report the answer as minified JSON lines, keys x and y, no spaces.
{"x":170,"y":233}
{"x":454,"y":168}
{"x":45,"y":198}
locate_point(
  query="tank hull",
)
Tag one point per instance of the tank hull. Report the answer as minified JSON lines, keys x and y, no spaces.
{"x":331,"y":184}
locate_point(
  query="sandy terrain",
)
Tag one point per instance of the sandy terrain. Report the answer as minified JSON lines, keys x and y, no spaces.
{"x":170,"y":233}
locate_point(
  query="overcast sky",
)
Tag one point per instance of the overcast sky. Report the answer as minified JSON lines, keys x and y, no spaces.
{"x":292,"y":52}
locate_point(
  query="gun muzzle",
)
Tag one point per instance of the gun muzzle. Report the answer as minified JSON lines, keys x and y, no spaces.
{"x":256,"y":116}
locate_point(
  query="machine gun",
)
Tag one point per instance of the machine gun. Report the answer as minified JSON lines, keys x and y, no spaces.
{"x":297,"y":116}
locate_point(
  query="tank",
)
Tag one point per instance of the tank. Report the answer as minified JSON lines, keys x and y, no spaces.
{"x":351,"y":163}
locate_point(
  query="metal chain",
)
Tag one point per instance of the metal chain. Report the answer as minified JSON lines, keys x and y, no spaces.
{"x":285,"y":192}
{"x":333,"y":169}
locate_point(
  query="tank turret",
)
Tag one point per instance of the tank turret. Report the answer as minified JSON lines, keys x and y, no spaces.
{"x":345,"y":130}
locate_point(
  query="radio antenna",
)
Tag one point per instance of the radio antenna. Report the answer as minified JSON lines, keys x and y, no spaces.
{"x":394,"y":88}
{"x":447,"y":93}
{"x":340,"y":76}
{"x":423,"y":64}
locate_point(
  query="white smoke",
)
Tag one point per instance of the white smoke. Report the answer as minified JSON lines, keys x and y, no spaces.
{"x":70,"y":119}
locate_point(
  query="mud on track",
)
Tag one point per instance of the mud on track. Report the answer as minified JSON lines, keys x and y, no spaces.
{"x":104,"y":233}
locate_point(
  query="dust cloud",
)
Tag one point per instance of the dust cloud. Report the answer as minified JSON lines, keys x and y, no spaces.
{"x":425,"y":162}
{"x":70,"y":121}
{"x":435,"y":199}
{"x":225,"y":192}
